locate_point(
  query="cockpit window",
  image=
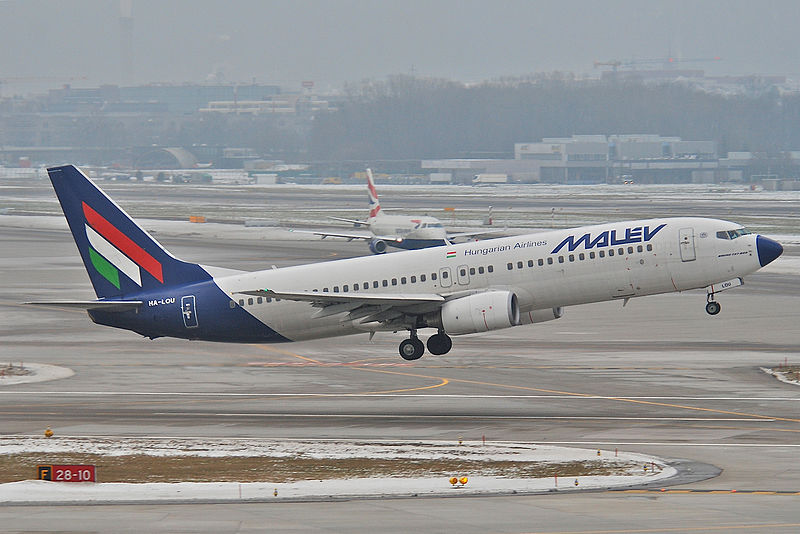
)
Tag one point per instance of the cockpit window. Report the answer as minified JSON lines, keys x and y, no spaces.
{"x":733,"y":234}
{"x":435,"y":225}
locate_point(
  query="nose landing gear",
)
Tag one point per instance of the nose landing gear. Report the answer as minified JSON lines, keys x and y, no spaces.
{"x":712,"y":306}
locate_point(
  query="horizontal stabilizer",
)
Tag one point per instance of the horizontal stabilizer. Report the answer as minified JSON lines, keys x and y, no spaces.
{"x":104,"y":305}
{"x":354,"y":221}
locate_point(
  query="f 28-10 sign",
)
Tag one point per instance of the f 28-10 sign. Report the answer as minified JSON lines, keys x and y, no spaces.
{"x":66,"y":473}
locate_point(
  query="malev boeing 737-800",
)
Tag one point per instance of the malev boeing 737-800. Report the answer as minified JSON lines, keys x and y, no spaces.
{"x":455,"y":289}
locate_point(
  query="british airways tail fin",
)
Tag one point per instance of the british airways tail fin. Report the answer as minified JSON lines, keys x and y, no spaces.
{"x":374,"y":203}
{"x":120,"y":257}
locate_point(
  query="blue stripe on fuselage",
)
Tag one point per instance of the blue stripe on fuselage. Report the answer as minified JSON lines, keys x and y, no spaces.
{"x":161,"y":316}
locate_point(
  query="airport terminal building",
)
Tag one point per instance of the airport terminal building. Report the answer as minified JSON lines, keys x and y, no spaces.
{"x":592,"y":159}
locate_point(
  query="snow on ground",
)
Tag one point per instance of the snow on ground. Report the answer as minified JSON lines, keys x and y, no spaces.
{"x":51,"y":492}
{"x":780,"y":375}
{"x":39,"y":372}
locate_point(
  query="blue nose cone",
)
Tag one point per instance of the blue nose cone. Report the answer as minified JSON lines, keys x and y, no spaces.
{"x":768,"y":250}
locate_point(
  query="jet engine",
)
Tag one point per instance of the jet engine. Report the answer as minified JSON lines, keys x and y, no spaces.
{"x":481,"y":312}
{"x":540,"y":316}
{"x":377,"y":246}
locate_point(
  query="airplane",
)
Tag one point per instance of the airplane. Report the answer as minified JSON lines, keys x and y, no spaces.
{"x":400,"y":231}
{"x":456,"y":289}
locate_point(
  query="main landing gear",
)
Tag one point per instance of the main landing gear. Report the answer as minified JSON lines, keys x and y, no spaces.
{"x":413,"y":349}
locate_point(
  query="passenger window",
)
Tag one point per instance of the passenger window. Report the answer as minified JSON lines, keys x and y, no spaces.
{"x":649,"y":247}
{"x":402,"y":279}
{"x":259,"y":300}
{"x":561,"y":259}
{"x":639,"y":248}
{"x":591,"y":255}
{"x":375,"y":283}
{"x":355,"y":286}
{"x":581,"y":256}
{"x":385,"y":283}
{"x":269,"y":300}
{"x":241,"y":302}
{"x":490,"y":268}
{"x":394,"y":281}
{"x":480,"y":270}
{"x":610,"y":252}
{"x":433,"y":276}
{"x":413,"y":279}
{"x":345,"y":289}
{"x":422,"y":278}
{"x":630,"y":250}
{"x":463,"y":272}
{"x":324,"y":289}
{"x":519,"y":265}
{"x":231,"y":304}
{"x":510,"y":266}
{"x":365,"y":285}
{"x":550,"y":260}
{"x":530,"y":263}
{"x":572,"y":257}
{"x":335,"y":289}
{"x":445,"y":274}
{"x":472,"y":270}
{"x":540,"y":262}
{"x":602,"y":253}
{"x":621,"y":251}
{"x":250,"y":302}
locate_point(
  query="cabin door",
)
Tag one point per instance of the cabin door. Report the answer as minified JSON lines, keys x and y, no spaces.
{"x":686,"y":243}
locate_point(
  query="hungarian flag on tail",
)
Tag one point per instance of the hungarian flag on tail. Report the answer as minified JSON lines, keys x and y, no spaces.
{"x":112,"y":252}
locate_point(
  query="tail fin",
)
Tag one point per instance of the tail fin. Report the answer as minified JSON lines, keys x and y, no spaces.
{"x":120,"y":257}
{"x":374,"y":203}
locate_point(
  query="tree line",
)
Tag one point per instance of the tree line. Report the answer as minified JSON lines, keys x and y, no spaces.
{"x":412,"y":118}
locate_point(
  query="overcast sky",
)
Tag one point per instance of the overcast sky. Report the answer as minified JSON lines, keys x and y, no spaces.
{"x":337,"y":41}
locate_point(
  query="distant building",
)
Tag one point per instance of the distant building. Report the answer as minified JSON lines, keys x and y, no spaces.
{"x":591,"y":159}
{"x":643,"y":158}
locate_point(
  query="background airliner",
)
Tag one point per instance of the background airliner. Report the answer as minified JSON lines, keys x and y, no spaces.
{"x":401,"y":231}
{"x":455,"y":289}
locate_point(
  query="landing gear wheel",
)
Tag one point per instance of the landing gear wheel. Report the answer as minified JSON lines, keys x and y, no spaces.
{"x":713,"y":307}
{"x":439,"y":344}
{"x":412,"y":349}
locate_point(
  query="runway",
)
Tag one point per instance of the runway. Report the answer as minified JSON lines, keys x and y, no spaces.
{"x":658,"y":376}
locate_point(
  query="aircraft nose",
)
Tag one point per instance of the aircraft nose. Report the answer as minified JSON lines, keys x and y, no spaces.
{"x":767,"y":249}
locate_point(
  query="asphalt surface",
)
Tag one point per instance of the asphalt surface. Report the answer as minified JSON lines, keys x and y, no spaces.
{"x":659,"y":376}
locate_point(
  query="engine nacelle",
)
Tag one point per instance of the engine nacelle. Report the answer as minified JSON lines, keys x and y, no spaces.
{"x":479,"y":313}
{"x":540,"y":316}
{"x":377,"y":246}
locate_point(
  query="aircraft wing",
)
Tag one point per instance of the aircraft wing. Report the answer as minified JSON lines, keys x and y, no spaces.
{"x":103,"y":305}
{"x":371,"y":311}
{"x":350,"y":236}
{"x":326,"y":299}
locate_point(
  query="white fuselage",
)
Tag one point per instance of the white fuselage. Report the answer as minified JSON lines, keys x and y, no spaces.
{"x":608,"y":261}
{"x":404,"y":227}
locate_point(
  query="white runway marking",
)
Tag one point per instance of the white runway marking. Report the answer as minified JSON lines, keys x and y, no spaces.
{"x":577,"y":396}
{"x":480,"y":416}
